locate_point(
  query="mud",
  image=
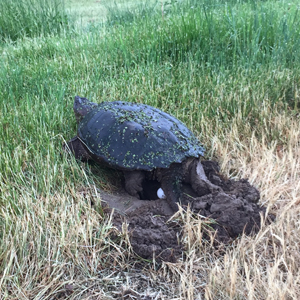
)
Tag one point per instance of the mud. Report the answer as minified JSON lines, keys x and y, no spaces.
{"x":235,"y":211}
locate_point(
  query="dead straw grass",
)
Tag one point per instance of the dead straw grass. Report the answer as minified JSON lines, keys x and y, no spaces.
{"x":60,"y":247}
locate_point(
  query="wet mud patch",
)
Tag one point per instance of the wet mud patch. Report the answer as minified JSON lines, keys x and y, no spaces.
{"x":152,"y":231}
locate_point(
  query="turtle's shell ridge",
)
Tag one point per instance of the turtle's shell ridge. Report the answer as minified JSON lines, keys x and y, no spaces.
{"x":136,"y":136}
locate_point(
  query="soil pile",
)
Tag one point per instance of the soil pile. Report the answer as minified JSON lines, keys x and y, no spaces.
{"x":235,"y":210}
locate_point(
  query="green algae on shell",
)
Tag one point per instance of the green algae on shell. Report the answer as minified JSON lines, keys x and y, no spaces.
{"x":136,"y":136}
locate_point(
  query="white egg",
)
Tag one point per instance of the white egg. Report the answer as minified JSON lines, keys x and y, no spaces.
{"x":161,"y":194}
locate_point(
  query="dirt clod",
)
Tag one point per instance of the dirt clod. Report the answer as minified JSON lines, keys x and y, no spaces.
{"x":151,"y":234}
{"x":235,"y":211}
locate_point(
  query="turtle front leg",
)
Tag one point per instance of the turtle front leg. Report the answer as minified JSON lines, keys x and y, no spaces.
{"x":76,"y":147}
{"x":133,"y":182}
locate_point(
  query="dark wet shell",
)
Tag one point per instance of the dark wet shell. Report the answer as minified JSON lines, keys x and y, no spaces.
{"x":137,"y":136}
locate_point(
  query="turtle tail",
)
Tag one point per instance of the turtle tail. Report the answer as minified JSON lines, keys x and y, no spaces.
{"x":171,"y":183}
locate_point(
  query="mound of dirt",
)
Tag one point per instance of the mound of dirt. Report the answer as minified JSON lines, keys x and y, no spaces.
{"x":151,"y":234}
{"x":235,"y":210}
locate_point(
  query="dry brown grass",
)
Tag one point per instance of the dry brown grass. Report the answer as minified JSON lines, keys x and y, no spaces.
{"x":60,"y":247}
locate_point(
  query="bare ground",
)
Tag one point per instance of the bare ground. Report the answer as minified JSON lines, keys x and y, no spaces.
{"x":153,"y":230}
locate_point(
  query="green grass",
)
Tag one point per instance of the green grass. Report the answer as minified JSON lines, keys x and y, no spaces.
{"x":30,"y":18}
{"x":227,"y":69}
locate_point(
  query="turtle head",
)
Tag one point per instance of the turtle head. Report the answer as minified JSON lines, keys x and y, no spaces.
{"x":82,"y":107}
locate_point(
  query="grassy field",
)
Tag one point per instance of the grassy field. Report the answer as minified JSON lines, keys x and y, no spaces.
{"x":229,"y":70}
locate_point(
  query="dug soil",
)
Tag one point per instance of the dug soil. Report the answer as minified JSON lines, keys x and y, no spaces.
{"x":152,"y":232}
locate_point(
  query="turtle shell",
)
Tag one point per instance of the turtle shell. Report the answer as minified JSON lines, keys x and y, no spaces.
{"x":136,"y":136}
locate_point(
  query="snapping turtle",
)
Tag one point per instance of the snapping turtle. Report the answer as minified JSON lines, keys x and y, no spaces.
{"x":143,"y":142}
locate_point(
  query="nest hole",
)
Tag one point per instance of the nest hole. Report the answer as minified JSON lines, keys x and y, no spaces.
{"x":150,"y":188}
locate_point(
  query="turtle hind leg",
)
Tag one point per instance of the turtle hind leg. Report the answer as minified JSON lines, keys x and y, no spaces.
{"x":198,"y":180}
{"x":133,"y":183}
{"x":171,"y":184}
{"x":77,"y":149}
